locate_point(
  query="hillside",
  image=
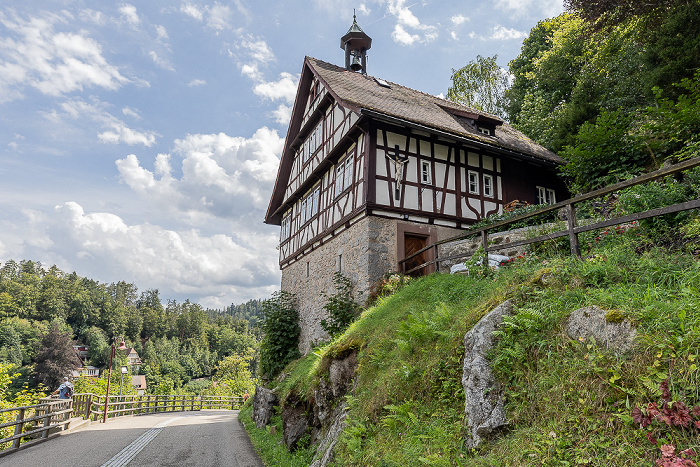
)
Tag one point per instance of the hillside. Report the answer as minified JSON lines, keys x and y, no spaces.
{"x":567,"y":402}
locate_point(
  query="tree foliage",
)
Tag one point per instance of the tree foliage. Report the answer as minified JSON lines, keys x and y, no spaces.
{"x":281,"y":329}
{"x":480,"y":84}
{"x":56,"y":358}
{"x":176,"y":342}
{"x":609,"y":100}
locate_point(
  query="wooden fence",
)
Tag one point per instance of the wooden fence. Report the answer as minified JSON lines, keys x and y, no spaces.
{"x":36,"y":422}
{"x":572,"y":230}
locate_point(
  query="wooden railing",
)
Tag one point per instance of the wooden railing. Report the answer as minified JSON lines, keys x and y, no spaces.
{"x":572,"y":229}
{"x":136,"y":405}
{"x":38,"y":421}
{"x":35,"y":422}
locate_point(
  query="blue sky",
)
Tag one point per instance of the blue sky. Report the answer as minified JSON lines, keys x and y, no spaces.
{"x":139,"y":141}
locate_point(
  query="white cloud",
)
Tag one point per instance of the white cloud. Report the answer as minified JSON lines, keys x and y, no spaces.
{"x":219,"y":17}
{"x":116,"y":131}
{"x":364,"y":9}
{"x":120,"y":133}
{"x":402,"y":37}
{"x":160,"y":62}
{"x":258,"y":54}
{"x":192,"y":11}
{"x":196,"y":83}
{"x":285,"y":88}
{"x":407,"y":20}
{"x":283,"y":114}
{"x":459,"y":19}
{"x":54,"y":63}
{"x":162,"y":32}
{"x":531,"y":8}
{"x":129,"y":14}
{"x":234,"y":174}
{"x":184,"y":261}
{"x":129,"y":112}
{"x":503,"y":33}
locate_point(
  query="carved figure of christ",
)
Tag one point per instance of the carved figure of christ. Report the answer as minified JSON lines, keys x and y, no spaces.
{"x":399,"y":162}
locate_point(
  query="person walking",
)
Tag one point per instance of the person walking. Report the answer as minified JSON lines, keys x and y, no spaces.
{"x":65,"y":390}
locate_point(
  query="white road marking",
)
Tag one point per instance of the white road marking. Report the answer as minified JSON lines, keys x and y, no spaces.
{"x":123,"y":457}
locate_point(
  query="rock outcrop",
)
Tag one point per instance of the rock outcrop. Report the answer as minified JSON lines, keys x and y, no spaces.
{"x":484,"y":405}
{"x":591,"y":322}
{"x":264,"y":402}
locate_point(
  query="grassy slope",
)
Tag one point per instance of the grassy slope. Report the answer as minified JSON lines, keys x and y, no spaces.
{"x":568,"y":403}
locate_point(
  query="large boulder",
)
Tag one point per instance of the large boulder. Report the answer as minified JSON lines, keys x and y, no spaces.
{"x":484,"y":406}
{"x":264,"y":402}
{"x":325,"y":450}
{"x":295,"y":422}
{"x":607,"y":329}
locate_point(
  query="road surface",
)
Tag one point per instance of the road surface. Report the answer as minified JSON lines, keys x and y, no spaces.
{"x":209,"y":438}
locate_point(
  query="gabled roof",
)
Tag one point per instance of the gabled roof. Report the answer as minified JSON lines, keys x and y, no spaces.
{"x":365,"y":92}
{"x":378,"y":99}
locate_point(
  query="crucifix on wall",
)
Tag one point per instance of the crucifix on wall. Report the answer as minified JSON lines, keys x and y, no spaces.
{"x":399,"y":161}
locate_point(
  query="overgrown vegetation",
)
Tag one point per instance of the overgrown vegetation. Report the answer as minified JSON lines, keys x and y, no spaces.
{"x":281,"y":328}
{"x":340,"y":306}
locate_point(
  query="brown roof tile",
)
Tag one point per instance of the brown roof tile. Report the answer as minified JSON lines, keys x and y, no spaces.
{"x":364,"y":92}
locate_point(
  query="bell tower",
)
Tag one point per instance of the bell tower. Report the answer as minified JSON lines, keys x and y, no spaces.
{"x":356,"y":43}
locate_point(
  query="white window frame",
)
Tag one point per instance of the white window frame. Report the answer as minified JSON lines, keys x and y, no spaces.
{"x":284,"y":231}
{"x":344,"y":175}
{"x":473,"y":182}
{"x":425,"y":177}
{"x":488,"y":185}
{"x":308,"y":206}
{"x":485,"y":131}
{"x":546,"y":195}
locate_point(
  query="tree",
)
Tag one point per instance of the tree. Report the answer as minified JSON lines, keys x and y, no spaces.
{"x":606,"y":13}
{"x":56,"y":358}
{"x":481,"y":85}
{"x":234,"y":371}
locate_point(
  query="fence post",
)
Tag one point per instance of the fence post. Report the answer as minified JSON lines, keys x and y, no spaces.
{"x":18,"y":428}
{"x":192,"y":404}
{"x":47,"y":421}
{"x":88,"y":407}
{"x":435,"y":258}
{"x":573,"y":236}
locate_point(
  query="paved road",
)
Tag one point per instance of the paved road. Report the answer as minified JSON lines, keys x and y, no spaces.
{"x":209,"y":438}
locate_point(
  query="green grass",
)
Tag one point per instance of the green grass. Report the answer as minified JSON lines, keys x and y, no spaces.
{"x":568,"y":403}
{"x":270,"y":446}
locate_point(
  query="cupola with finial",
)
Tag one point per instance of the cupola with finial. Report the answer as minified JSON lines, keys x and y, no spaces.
{"x":356,"y":43}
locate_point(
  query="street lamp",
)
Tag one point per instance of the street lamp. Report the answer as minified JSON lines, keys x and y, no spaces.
{"x":125,"y":370}
{"x":109,"y":375}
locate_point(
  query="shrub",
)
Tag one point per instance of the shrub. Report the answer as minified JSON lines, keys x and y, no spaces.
{"x":341,"y":307}
{"x":282,"y":330}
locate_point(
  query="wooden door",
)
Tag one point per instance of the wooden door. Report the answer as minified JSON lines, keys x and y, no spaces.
{"x":413,"y":243}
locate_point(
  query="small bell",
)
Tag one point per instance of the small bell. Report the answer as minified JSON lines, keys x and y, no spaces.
{"x":356,"y":65}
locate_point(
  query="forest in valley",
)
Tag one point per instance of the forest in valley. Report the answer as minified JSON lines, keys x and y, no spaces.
{"x":183,"y":347}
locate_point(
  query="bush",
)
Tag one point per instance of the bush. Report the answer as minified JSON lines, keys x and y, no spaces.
{"x":341,"y":307}
{"x":282,"y":330}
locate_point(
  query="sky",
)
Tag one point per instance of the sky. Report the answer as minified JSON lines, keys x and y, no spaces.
{"x":139,"y":141}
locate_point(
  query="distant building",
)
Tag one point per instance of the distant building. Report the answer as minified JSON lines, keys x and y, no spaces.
{"x":139,"y":383}
{"x":372,"y":171}
{"x":132,"y":357}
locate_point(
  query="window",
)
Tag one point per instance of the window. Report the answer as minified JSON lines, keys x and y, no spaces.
{"x":308,"y":207}
{"x":473,"y":183}
{"x":284,"y":233}
{"x":485,"y":131}
{"x":488,"y":186}
{"x":546,"y":195}
{"x":343,"y":175}
{"x":425,"y":173}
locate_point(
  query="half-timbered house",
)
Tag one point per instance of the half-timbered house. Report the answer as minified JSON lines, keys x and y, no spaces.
{"x":372,"y":171}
